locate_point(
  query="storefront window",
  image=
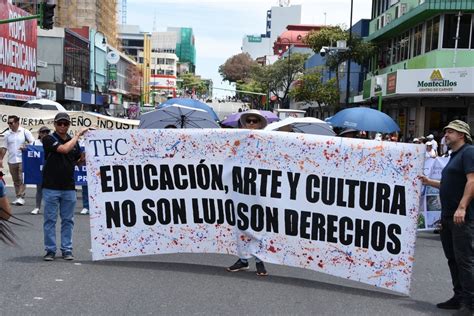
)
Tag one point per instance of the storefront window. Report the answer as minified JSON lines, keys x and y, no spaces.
{"x":76,"y":61}
{"x":450,"y":28}
{"x":432,"y":33}
{"x":417,"y":40}
{"x":472,"y":34}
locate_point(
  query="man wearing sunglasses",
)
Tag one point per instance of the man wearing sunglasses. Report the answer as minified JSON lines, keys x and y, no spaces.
{"x":62,"y":153}
{"x":14,"y":142}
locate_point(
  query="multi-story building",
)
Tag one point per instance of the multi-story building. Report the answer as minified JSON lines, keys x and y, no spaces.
{"x":278,"y":18}
{"x":163,"y":74}
{"x":179,"y":41}
{"x":424,"y":72}
{"x":131,"y":39}
{"x":65,"y":72}
{"x":100,"y":15}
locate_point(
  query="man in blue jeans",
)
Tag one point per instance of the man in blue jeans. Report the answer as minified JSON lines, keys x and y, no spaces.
{"x":456,"y":191}
{"x":62,"y":153}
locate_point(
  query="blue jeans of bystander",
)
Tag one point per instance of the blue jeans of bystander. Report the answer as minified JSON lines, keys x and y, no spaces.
{"x":65,"y":202}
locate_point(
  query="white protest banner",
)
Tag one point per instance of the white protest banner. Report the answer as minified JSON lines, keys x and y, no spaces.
{"x":345,"y":207}
{"x":430,"y":212}
{"x":33,"y":119}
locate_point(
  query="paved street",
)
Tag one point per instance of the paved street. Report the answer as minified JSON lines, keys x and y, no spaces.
{"x":182,"y":284}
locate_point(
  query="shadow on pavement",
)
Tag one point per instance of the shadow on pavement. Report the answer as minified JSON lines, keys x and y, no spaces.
{"x":415,"y":305}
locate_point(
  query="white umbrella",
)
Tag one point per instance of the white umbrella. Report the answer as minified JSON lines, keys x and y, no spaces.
{"x":177,"y":116}
{"x":307,"y":125}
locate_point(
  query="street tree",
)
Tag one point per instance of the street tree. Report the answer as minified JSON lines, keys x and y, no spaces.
{"x":358,"y":51}
{"x":278,"y":77}
{"x":237,"y":68}
{"x":191,"y":82}
{"x":249,"y":86}
{"x":310,"y":88}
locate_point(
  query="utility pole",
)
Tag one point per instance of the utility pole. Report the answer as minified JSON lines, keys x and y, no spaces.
{"x":348,"y":74}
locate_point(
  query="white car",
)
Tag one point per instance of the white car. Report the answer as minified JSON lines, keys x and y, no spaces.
{"x":44,"y":104}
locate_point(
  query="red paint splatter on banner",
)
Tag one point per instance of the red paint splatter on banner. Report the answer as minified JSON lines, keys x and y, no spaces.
{"x":272,"y":249}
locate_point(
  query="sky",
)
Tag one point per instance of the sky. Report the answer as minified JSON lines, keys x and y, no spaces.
{"x":220,"y":25}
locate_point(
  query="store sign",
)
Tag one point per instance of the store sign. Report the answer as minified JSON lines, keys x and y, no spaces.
{"x":254,"y":39}
{"x":391,"y":83}
{"x":435,"y":81}
{"x":112,"y":70}
{"x":18,"y":43}
{"x":163,"y":82}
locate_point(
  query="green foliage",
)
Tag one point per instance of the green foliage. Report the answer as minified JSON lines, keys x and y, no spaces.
{"x":190,"y":81}
{"x":358,"y":51}
{"x":277,"y":78}
{"x":251,"y":86}
{"x":310,"y":88}
{"x":237,"y":68}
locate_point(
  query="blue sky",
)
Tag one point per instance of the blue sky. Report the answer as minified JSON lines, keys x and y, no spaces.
{"x":220,"y":25}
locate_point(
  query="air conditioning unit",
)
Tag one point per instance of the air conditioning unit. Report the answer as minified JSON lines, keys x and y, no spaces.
{"x":403,"y":8}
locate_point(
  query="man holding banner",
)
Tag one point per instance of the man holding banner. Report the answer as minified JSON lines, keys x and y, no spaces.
{"x":457,"y":215}
{"x":62,"y":153}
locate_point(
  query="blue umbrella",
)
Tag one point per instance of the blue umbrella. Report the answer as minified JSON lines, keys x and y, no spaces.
{"x":192,"y":104}
{"x":364,"y":119}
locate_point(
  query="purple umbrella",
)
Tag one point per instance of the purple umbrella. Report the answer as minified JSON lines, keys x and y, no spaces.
{"x":233,"y":119}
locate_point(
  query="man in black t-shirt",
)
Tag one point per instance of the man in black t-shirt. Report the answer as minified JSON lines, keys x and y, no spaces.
{"x":62,"y":153}
{"x":457,"y":215}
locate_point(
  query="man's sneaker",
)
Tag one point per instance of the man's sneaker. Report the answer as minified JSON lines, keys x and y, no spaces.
{"x":261,"y":271}
{"x":49,"y":256}
{"x":238,"y":266}
{"x":68,"y":255}
{"x":19,"y":201}
{"x":84,"y":211}
{"x":35,"y":211}
{"x":452,"y":303}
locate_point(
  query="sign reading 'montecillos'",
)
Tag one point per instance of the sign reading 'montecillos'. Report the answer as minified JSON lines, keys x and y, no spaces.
{"x":345,"y":207}
{"x":18,"y":42}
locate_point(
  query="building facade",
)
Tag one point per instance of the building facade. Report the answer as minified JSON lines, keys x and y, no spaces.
{"x":424,"y":72}
{"x":179,"y":41}
{"x":277,"y":19}
{"x":100,"y":15}
{"x":163,"y":76}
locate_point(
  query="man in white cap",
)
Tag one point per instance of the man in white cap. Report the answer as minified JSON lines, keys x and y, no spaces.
{"x":14,"y":142}
{"x":430,"y":152}
{"x":253,"y":119}
{"x":456,"y":191}
{"x":434,"y":143}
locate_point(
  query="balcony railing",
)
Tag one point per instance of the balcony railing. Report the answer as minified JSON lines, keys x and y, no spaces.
{"x":408,"y":14}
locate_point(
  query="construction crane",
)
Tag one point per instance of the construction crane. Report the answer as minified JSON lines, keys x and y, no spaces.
{"x":124,"y":12}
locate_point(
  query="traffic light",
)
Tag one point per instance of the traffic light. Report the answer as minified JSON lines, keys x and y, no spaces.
{"x":47,"y":15}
